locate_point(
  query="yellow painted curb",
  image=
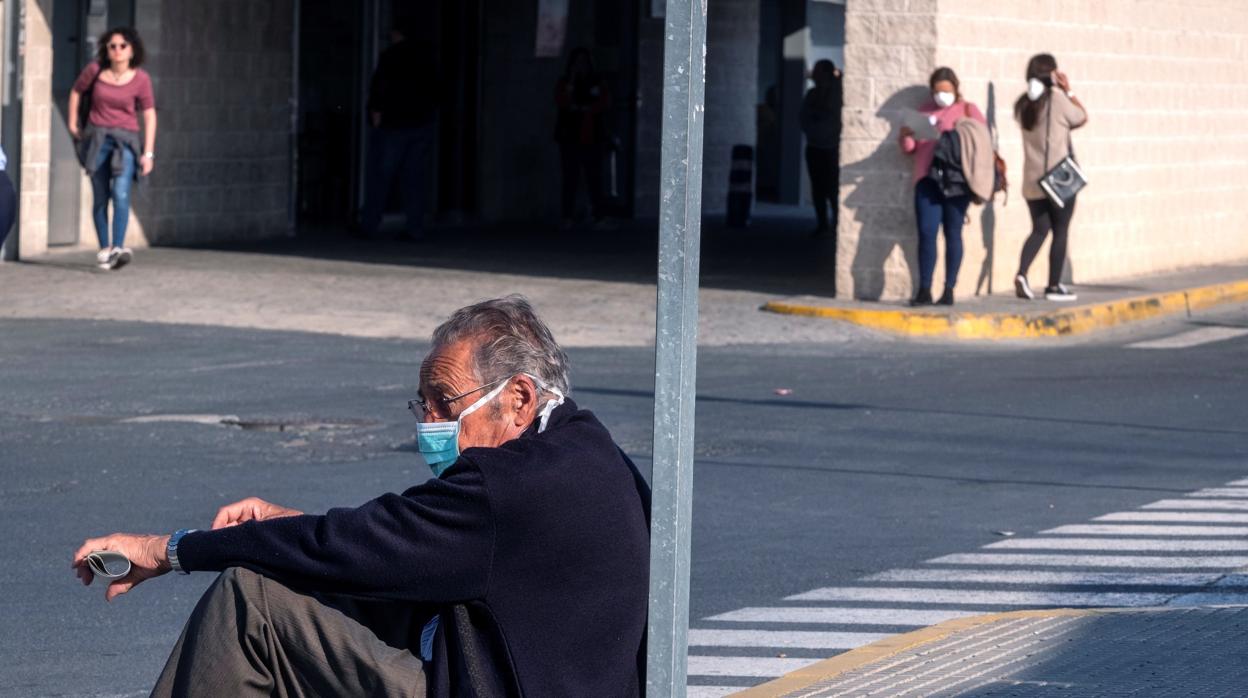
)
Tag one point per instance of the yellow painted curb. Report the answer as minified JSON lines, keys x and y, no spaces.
{"x":1058,"y":323}
{"x":889,"y":646}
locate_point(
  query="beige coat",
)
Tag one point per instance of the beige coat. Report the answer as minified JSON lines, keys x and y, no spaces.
{"x":978,"y":163}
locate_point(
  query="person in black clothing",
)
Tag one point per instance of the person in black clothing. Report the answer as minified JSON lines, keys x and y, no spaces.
{"x":583,"y":99}
{"x":520,"y":568}
{"x":821,"y":122}
{"x":402,"y":106}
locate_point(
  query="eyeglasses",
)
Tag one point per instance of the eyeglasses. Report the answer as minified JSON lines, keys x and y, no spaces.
{"x":118,"y":47}
{"x":440,"y":408}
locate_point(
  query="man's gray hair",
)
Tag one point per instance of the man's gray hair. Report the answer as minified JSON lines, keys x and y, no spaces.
{"x":510,"y":340}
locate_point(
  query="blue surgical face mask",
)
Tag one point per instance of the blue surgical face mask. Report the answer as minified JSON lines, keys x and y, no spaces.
{"x":438,"y":442}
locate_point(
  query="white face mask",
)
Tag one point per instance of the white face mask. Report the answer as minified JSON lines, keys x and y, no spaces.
{"x":944,"y":99}
{"x":1035,"y":89}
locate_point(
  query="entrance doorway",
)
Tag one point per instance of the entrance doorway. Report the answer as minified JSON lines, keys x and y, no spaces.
{"x":76,"y":26}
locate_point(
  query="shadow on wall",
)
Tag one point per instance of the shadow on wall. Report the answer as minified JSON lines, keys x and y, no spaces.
{"x":988,"y":214}
{"x":881,"y":203}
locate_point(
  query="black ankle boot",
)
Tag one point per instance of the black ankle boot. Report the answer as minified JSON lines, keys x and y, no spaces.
{"x":946,"y":298}
{"x":923,"y":297}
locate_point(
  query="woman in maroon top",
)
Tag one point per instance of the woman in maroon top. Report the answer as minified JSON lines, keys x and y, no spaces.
{"x":109,"y":144}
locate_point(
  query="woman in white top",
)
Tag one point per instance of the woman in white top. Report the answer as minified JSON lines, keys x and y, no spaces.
{"x":1045,"y":145}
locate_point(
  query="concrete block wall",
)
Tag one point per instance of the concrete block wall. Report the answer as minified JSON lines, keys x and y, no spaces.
{"x":1165,"y":150}
{"x":731,"y":97}
{"x":221,"y":72}
{"x":890,"y":48}
{"x":1166,"y":145}
{"x":36,"y":128}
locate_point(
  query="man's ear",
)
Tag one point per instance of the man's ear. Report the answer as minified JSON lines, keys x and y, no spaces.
{"x":525,"y":395}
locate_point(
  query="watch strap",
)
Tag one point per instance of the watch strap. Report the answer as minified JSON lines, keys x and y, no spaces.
{"x":172,"y":548}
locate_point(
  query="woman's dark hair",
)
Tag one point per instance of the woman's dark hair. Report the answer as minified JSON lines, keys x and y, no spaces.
{"x":578,"y":53}
{"x":1041,"y":67}
{"x":941,"y":75}
{"x":131,"y":36}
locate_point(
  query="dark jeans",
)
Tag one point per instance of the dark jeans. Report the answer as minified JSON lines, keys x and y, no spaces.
{"x":575,"y":159}
{"x":400,"y":154}
{"x":1046,"y":216}
{"x":105,"y":186}
{"x":8,"y":205}
{"x":824,"y":166}
{"x":932,"y":210}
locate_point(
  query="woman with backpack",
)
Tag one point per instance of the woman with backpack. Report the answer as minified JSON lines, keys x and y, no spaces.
{"x":932,"y":209}
{"x":1047,"y":116}
{"x":109,"y":144}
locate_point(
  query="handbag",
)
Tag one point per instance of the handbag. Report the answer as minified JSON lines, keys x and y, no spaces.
{"x":1066,"y":178}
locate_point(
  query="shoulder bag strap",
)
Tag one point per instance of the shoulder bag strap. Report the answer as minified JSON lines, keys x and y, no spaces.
{"x":1048,"y":125}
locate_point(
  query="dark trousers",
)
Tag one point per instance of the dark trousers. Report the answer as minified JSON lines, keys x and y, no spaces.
{"x":398,"y":155}
{"x":576,"y":159}
{"x":933,"y":211}
{"x":251,"y":636}
{"x":824,"y":167}
{"x":8,"y":205}
{"x":1046,"y":216}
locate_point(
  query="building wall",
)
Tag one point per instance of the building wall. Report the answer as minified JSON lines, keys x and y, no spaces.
{"x":222,"y":77}
{"x":1165,"y":150}
{"x":36,"y":89}
{"x":731,"y":96}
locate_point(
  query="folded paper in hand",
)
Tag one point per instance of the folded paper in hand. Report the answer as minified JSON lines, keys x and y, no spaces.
{"x":108,"y":564}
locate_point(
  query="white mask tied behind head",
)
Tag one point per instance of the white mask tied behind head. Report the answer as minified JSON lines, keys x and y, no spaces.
{"x":1035,"y":89}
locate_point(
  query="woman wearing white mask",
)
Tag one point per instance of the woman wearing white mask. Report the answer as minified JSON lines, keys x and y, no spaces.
{"x":932,"y":209}
{"x":1063,"y":113}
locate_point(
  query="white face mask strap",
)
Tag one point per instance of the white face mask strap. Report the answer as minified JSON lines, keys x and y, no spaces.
{"x":488,"y":396}
{"x":551,"y":404}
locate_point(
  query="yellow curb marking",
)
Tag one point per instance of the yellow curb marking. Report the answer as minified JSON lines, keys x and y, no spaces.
{"x":889,"y":646}
{"x":1059,"y":323}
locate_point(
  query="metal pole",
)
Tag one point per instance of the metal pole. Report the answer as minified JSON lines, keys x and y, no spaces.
{"x":680,"y":223}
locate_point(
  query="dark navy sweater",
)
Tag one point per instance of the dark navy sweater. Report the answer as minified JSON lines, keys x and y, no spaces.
{"x":535,"y":554}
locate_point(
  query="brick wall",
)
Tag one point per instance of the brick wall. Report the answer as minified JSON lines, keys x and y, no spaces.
{"x":1166,"y":147}
{"x":222,"y":76}
{"x":731,"y":94}
{"x":890,"y":46}
{"x":36,"y":128}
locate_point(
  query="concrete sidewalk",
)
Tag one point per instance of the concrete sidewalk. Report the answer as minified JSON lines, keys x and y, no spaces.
{"x":1003,"y":316}
{"x":1085,"y":653}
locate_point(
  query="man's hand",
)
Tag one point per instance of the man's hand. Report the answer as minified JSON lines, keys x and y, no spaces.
{"x":148,"y":557}
{"x":250,"y":509}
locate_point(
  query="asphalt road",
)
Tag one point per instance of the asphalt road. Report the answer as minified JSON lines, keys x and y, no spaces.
{"x":883,"y":455}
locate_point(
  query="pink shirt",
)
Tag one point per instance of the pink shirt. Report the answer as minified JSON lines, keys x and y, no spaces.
{"x":116,"y":106}
{"x":946,"y":119}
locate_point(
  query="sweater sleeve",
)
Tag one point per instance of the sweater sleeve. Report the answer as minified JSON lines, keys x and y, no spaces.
{"x":434,"y":543}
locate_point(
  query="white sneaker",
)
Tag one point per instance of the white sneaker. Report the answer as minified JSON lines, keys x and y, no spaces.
{"x":120,"y":257}
{"x":1022,"y":289}
{"x":101,"y":257}
{"x":1059,"y":293}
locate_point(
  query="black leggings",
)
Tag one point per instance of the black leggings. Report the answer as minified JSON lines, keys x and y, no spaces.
{"x":1046,"y":216}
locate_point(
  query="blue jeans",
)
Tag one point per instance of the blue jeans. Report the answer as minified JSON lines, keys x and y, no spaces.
{"x":402,"y":155}
{"x":105,"y":186}
{"x":931,"y":209}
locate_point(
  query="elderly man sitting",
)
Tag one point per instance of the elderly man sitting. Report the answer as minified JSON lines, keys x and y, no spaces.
{"x":520,"y":568}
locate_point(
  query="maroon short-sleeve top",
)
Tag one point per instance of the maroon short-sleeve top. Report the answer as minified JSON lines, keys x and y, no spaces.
{"x":116,"y":106}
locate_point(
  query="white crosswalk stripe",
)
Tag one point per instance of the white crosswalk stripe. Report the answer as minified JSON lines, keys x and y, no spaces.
{"x":1090,"y":565}
{"x":975,"y":576}
{"x":1146,"y":530}
{"x":1175,"y":517}
{"x":1202,"y":504}
{"x":1194,"y":338}
{"x":1171,"y":545}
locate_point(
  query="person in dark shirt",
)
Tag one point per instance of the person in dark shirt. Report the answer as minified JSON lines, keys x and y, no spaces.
{"x":402,"y":108}
{"x":582,"y":99}
{"x":520,"y":568}
{"x":821,"y":122}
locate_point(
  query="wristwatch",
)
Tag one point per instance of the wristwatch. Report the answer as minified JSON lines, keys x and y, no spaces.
{"x":172,"y":549}
{"x":150,"y":155}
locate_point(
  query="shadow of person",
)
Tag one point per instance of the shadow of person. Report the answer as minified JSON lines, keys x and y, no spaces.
{"x":881,"y":203}
{"x":988,"y":217}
